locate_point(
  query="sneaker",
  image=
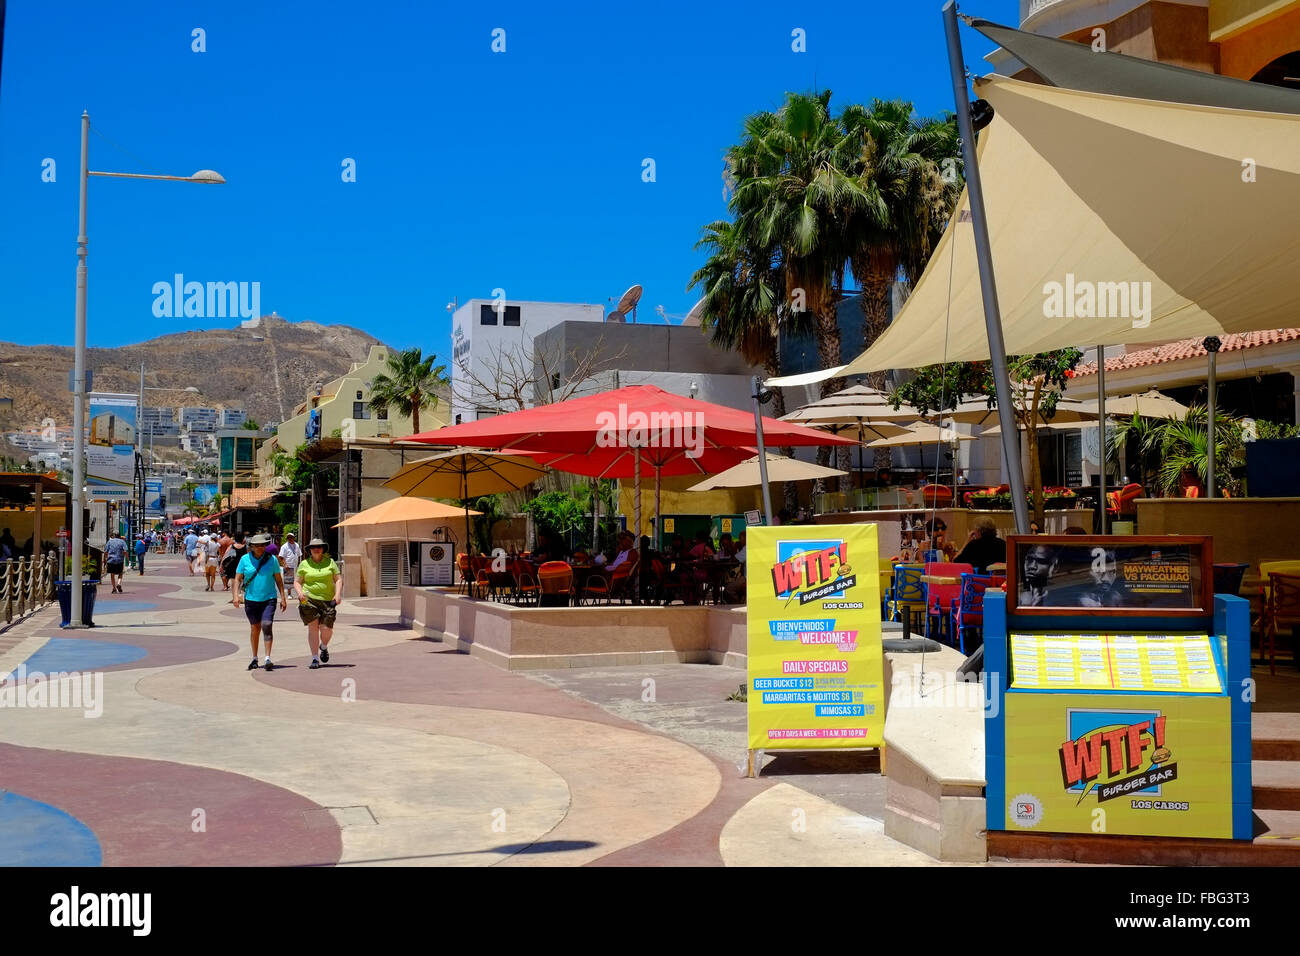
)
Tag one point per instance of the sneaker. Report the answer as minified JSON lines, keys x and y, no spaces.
{"x":253,"y":665}
{"x":314,"y":664}
{"x":324,"y":654}
{"x":269,"y":665}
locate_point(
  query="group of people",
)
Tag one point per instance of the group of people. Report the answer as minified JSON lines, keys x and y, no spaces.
{"x":259,"y":586}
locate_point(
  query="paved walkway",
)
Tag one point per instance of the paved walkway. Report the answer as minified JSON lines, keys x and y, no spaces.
{"x":396,"y":752}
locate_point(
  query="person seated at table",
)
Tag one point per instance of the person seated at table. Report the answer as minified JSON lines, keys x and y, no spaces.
{"x":884,"y":478}
{"x":549,"y":548}
{"x":984,"y":548}
{"x":676,"y":548}
{"x":625,"y":550}
{"x":726,"y":547}
{"x":937,"y":539}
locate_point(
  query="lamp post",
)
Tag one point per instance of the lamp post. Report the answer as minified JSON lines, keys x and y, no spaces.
{"x":79,"y":360}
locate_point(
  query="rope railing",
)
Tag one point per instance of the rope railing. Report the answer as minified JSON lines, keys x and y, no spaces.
{"x":27,"y":584}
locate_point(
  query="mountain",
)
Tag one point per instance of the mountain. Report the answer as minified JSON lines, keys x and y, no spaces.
{"x":267,"y":369}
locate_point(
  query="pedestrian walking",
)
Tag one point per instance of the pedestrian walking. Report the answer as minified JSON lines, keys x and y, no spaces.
{"x":258,"y":580}
{"x":141,"y":549}
{"x":191,"y":542}
{"x":225,"y":542}
{"x":115,"y":560}
{"x":319,"y":585}
{"x":230,"y":561}
{"x":290,"y":555}
{"x":211,"y":561}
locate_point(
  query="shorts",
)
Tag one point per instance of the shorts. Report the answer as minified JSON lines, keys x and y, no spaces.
{"x":260,"y":612}
{"x":312,"y":609}
{"x":114,"y":567}
{"x":213,"y":562}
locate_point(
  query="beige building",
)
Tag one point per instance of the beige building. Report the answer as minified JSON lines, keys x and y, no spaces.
{"x":342,"y":407}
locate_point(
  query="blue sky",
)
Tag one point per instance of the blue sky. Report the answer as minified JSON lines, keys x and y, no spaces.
{"x":475,"y":170}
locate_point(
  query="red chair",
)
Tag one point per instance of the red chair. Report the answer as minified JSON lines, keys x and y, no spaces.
{"x":937,"y":496}
{"x":1122,"y":502}
{"x":940,"y":597}
{"x":614,"y":586}
{"x":555,"y":581}
{"x":1191,"y":491}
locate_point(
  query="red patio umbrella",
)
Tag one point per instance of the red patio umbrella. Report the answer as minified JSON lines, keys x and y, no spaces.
{"x":630,"y":431}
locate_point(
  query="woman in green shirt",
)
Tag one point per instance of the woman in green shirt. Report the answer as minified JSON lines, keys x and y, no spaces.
{"x":319,"y":585}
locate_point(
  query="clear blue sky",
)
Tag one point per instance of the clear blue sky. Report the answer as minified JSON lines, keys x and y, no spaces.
{"x":475,"y":170}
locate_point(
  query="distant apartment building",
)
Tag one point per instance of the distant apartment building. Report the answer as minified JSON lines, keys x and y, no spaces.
{"x":157,"y":418}
{"x":199,"y":419}
{"x":493,"y":338}
{"x":233,"y":417}
{"x":237,"y":458}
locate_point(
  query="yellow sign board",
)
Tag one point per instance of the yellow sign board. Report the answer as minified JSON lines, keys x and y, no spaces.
{"x":1134,"y":764}
{"x":815,"y":659}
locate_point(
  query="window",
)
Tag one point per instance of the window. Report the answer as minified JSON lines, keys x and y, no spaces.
{"x":360,"y":411}
{"x":358,"y":394}
{"x":511,"y":315}
{"x":487,"y":315}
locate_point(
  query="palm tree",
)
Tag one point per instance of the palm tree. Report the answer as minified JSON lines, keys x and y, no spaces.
{"x":1180,"y":446}
{"x":410,"y":384}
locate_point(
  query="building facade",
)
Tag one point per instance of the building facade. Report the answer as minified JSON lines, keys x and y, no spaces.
{"x":492,"y":342}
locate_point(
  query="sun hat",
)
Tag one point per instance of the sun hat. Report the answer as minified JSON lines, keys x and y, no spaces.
{"x":316,"y":543}
{"x":289,"y":534}
{"x":260,"y":539}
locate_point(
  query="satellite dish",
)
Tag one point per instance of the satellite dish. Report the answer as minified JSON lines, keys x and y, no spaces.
{"x":697,"y":312}
{"x":616,"y":316}
{"x":629,"y":300}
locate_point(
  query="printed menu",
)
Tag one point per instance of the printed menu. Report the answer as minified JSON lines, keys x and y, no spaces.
{"x":1176,"y":663}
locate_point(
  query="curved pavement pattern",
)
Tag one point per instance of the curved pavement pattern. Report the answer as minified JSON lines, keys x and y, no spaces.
{"x":396,"y":752}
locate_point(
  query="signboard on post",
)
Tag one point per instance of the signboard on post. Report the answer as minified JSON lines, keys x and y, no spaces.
{"x":110,"y":446}
{"x":815,"y":657}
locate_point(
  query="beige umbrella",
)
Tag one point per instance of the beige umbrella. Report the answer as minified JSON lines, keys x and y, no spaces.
{"x":1053,"y":426}
{"x":923,"y":434}
{"x":779,"y":468}
{"x":1149,"y":404}
{"x":977,"y":412}
{"x":465,"y":473}
{"x":404,"y":510}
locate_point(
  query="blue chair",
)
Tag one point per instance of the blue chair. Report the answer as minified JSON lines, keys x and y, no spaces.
{"x":968,"y":609}
{"x":907,"y":596}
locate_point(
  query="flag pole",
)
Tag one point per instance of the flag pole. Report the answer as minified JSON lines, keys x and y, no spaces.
{"x":988,"y":285}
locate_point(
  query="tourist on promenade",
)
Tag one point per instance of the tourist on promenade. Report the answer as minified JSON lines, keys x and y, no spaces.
{"x":319,"y":584}
{"x":115,"y":560}
{"x":290,"y":555}
{"x":257,"y":582}
{"x":191,"y":542}
{"x":211,"y":560}
{"x":230,"y":563}
{"x":225,"y":541}
{"x":141,"y":549}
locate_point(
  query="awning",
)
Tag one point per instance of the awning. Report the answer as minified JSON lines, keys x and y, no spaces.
{"x":403,"y":509}
{"x":1090,"y":196}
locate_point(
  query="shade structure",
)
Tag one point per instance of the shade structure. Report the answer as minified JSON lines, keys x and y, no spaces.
{"x":779,"y":468}
{"x":924,"y":434}
{"x":402,"y":509}
{"x":603,"y":434}
{"x":465,"y":473}
{"x":1149,"y":404}
{"x":977,"y":412}
{"x":996,"y":429}
{"x":1087,"y":194}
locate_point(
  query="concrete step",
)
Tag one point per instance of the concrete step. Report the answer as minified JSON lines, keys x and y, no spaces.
{"x":1275,"y":736}
{"x":1275,"y":784}
{"x":1278,"y":844}
{"x":1283,"y":828}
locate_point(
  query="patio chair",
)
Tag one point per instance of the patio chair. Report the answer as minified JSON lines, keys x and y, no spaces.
{"x":908,"y":594}
{"x":1124,"y":501}
{"x":615,"y":584}
{"x":937,"y":496}
{"x":968,"y":609}
{"x":555,"y":582}
{"x":466,"y":575}
{"x":1227,"y":578}
{"x":939,"y":598}
{"x":1282,"y":609}
{"x":527,"y":590}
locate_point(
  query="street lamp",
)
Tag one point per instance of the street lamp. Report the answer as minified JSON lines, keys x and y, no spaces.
{"x":79,"y":361}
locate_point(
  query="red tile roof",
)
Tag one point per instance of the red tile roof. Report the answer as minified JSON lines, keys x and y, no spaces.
{"x":1187,"y":349}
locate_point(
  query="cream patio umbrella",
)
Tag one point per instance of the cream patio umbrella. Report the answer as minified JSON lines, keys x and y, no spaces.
{"x":1149,"y":404}
{"x":922,"y":434}
{"x":779,"y":468}
{"x":403,"y":510}
{"x":465,"y":473}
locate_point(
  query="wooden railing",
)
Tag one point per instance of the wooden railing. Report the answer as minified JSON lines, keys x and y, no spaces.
{"x":27,"y":584}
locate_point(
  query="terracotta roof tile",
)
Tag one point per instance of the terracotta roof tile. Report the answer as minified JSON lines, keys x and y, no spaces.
{"x":1187,"y":349}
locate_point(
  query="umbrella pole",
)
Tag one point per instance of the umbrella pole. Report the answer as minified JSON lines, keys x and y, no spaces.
{"x":1212,"y":346}
{"x":988,"y":284}
{"x":1101,"y":430}
{"x":636,"y":512}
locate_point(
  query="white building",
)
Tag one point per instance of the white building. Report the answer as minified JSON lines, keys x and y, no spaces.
{"x":493,"y":335}
{"x":233,"y":417}
{"x":199,"y":418}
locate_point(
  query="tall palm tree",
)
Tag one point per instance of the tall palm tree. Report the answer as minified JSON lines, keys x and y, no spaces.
{"x":410,"y":384}
{"x":907,"y":168}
